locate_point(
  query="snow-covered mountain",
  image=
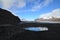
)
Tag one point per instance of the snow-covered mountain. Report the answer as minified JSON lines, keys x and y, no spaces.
{"x":50,"y":19}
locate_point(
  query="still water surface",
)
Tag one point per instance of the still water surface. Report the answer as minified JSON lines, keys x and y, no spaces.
{"x":36,"y":28}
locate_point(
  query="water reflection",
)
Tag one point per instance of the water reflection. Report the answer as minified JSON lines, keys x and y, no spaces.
{"x":37,"y":28}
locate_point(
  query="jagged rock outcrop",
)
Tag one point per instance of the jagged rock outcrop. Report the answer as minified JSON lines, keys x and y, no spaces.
{"x":7,"y":17}
{"x":8,"y":25}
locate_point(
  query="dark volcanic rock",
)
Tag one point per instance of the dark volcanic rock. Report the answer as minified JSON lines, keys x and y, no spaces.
{"x":8,"y":24}
{"x":6,"y":32}
{"x":29,"y":35}
{"x":7,"y":17}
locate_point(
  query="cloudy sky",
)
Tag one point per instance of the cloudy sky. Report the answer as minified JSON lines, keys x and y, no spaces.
{"x":32,"y":9}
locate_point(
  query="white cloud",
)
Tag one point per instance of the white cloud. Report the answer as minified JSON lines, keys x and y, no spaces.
{"x":8,"y":3}
{"x":22,"y":3}
{"x":53,"y":13}
{"x":41,"y":5}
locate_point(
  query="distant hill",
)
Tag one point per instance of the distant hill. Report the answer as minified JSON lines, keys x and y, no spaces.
{"x":55,"y":19}
{"x":6,"y":17}
{"x":24,"y":20}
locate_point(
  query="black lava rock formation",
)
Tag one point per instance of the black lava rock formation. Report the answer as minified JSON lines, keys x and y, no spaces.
{"x":7,"y":17}
{"x":8,"y":24}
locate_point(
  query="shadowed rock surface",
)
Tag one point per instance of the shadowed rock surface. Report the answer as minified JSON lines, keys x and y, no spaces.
{"x":8,"y":24}
{"x":29,"y":35}
{"x":7,"y":17}
{"x":14,"y":32}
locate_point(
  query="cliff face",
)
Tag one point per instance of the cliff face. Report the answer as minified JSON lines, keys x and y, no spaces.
{"x":7,"y":17}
